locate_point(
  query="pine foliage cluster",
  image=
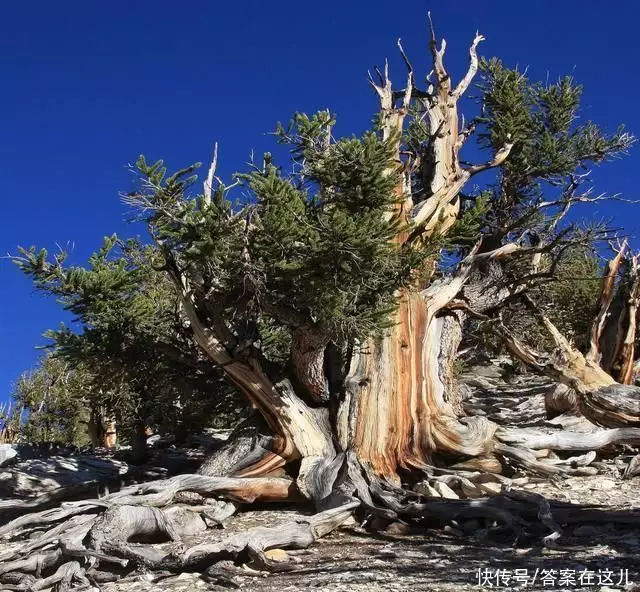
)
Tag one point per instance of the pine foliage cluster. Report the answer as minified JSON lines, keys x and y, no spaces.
{"x":134,"y":353}
{"x":314,"y":246}
{"x":551,"y":144}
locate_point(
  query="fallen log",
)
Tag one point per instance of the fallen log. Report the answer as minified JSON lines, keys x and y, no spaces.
{"x":567,"y":440}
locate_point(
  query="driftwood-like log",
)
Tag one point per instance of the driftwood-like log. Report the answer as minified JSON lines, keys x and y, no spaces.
{"x":35,"y":563}
{"x":69,"y":530}
{"x":291,"y":535}
{"x":567,"y":440}
{"x":528,"y":460}
{"x":63,"y":576}
{"x":48,"y":516}
{"x":612,"y":406}
{"x":245,"y":489}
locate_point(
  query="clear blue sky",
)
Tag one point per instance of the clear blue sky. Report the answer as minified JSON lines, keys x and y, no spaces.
{"x":87,"y":86}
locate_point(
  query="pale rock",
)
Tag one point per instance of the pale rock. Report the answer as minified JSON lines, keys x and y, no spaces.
{"x":606,"y":485}
{"x":445,"y":491}
{"x":490,"y":488}
{"x":7,"y":453}
{"x":276,"y":555}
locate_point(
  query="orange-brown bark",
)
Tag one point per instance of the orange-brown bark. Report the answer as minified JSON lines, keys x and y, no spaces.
{"x":407,"y":409}
{"x":400,"y":401}
{"x":264,"y":490}
{"x":607,"y":293}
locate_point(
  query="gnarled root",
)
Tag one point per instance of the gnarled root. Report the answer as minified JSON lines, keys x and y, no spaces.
{"x":613,"y":406}
{"x":291,"y":535}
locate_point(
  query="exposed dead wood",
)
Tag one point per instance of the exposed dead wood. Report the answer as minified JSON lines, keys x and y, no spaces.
{"x":527,"y":459}
{"x":307,"y":358}
{"x":69,"y":530}
{"x":607,"y":293}
{"x":35,"y":563}
{"x":612,"y":406}
{"x":296,"y":535}
{"x":63,"y":576}
{"x":47,"y":516}
{"x":560,"y":399}
{"x":567,"y":364}
{"x":567,"y":440}
{"x":122,"y":524}
{"x":246,"y":490}
{"x":251,"y":451}
{"x":407,"y":402}
{"x":442,"y":172}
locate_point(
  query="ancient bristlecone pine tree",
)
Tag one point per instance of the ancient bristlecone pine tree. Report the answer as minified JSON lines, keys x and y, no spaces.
{"x":325,"y":256}
{"x":334,"y":299}
{"x":599,"y":382}
{"x":340,"y":261}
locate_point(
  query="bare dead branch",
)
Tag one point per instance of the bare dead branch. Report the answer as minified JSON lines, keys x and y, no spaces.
{"x":208,"y":184}
{"x":473,"y":68}
{"x":444,"y":82}
{"x":605,"y":300}
{"x":498,"y":159}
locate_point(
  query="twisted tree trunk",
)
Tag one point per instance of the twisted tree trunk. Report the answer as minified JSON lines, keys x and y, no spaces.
{"x":390,"y":404}
{"x":350,"y":419}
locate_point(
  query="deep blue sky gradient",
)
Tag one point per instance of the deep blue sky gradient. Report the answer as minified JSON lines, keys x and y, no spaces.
{"x":87,"y":86}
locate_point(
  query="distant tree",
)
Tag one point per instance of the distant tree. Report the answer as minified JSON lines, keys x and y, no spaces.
{"x":54,"y":403}
{"x":145,"y":369}
{"x":11,"y":419}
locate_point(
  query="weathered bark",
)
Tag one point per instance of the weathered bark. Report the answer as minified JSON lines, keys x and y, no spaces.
{"x":249,"y":451}
{"x":140,"y":514}
{"x":102,"y":429}
{"x":607,"y":294}
{"x":297,"y":535}
{"x":567,"y":440}
{"x":402,"y":405}
{"x":308,"y":361}
{"x":560,"y":399}
{"x":598,"y":381}
{"x":398,"y":404}
{"x":613,"y":335}
{"x":246,"y":490}
{"x":623,"y":356}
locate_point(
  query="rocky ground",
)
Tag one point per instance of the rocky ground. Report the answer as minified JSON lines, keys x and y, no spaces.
{"x":353,"y":559}
{"x":465,"y":558}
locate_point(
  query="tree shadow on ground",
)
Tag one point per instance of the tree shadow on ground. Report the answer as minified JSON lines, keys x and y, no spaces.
{"x":434,"y":560}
